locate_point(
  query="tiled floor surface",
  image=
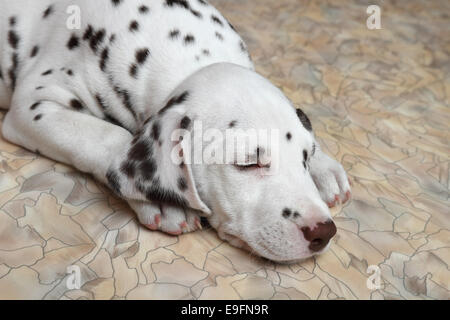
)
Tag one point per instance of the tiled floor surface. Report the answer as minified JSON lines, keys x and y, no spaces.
{"x":379,"y":102}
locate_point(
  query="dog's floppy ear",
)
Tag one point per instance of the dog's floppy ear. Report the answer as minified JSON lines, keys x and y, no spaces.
{"x":155,"y":173}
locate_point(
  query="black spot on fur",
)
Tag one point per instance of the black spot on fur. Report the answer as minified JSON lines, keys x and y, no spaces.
{"x":1,"y":73}
{"x":174,"y":101}
{"x":189,"y":39}
{"x":304,"y":119}
{"x":174,"y":34}
{"x":46,"y":73}
{"x":12,"y":21}
{"x":47,"y":12}
{"x":155,"y":192}
{"x":143,"y":9}
{"x":39,"y":88}
{"x":181,"y":3}
{"x":217,"y":20}
{"x":206,"y":52}
{"x":139,"y":151}
{"x":288,"y":136}
{"x":125,"y":97}
{"x":305,"y":155}
{"x":219,"y":36}
{"x":12,"y":72}
{"x":73,"y":42}
{"x":232,"y":27}
{"x":202,"y":2}
{"x":134,"y":26}
{"x":185,"y":122}
{"x":182,"y":185}
{"x":296,"y":214}
{"x":97,"y":39}
{"x":133,"y":70}
{"x":286,"y":213}
{"x":88,"y":33}
{"x":113,"y":181}
{"x":156,"y":131}
{"x":196,"y":13}
{"x":242,"y":46}
{"x":116,"y":2}
{"x":13,"y":39}
{"x":128,"y":168}
{"x":142,"y":55}
{"x":38,"y":117}
{"x":232,"y":124}
{"x":147,"y":169}
{"x":112,"y":38}
{"x":34,"y":51}
{"x":104,"y":58}
{"x":35,"y":105}
{"x":69,"y":72}
{"x":76,"y":104}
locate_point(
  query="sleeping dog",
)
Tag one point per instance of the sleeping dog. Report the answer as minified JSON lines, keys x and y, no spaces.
{"x":104,"y":85}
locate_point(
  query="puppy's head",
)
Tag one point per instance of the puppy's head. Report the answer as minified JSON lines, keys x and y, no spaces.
{"x":245,"y":152}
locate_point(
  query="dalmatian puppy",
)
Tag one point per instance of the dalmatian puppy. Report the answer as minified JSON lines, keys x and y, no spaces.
{"x":108,"y":96}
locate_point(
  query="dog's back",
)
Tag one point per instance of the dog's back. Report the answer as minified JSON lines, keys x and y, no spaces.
{"x":125,"y":55}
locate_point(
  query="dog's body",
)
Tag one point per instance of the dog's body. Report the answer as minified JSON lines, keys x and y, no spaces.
{"x":107,"y":96}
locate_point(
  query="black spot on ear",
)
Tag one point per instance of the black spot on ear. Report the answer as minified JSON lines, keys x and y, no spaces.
{"x":304,"y":119}
{"x":286,"y":213}
{"x":35,"y":105}
{"x":185,"y":122}
{"x":174,"y":101}
{"x":288,"y":136}
{"x":134,"y":26}
{"x":34,"y":51}
{"x":182,"y":185}
{"x":113,"y":181}
{"x":139,"y":151}
{"x":232,"y":124}
{"x":46,"y":73}
{"x":38,"y":117}
{"x":73,"y":42}
{"x":76,"y":104}
{"x":47,"y":12}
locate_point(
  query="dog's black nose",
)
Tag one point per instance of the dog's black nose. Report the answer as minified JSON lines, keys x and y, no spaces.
{"x":319,"y":236}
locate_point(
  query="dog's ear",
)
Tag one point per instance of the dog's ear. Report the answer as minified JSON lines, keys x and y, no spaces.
{"x":156,"y":162}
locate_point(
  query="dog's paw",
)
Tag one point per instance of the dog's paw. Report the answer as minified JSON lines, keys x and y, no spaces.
{"x":331,"y":181}
{"x":169,"y":219}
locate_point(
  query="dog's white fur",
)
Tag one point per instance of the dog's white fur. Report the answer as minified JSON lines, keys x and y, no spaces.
{"x":216,"y":75}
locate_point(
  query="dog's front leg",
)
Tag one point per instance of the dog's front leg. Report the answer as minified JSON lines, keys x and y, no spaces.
{"x":330,"y":178}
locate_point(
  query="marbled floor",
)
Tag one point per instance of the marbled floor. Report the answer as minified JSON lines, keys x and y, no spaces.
{"x":379,"y":102}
